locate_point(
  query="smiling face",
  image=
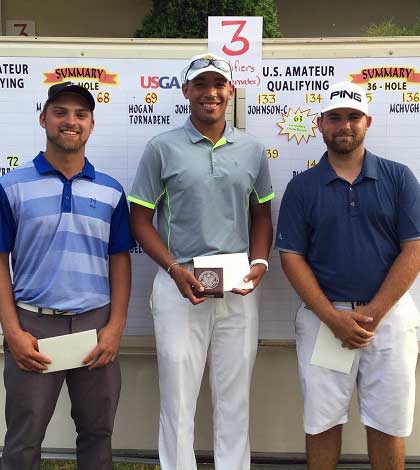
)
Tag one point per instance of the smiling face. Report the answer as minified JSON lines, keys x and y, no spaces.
{"x":209,"y":95}
{"x":68,"y":123}
{"x":344,"y":129}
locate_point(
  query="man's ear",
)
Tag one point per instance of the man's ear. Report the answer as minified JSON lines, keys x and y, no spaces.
{"x":232,"y":90}
{"x":319,"y":123}
{"x":92,"y":125}
{"x":185,"y":90}
{"x":42,"y":119}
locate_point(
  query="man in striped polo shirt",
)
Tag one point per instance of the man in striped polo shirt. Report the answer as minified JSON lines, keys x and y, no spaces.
{"x":65,"y":225}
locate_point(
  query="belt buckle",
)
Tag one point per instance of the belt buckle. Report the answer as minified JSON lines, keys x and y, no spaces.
{"x":357,"y":303}
{"x":59,"y":312}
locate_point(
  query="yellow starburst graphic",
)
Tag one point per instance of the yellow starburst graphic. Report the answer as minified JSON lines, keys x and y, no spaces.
{"x":299,"y":124}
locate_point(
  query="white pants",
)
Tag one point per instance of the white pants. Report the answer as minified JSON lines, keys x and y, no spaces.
{"x":384,"y":373}
{"x":225,"y":330}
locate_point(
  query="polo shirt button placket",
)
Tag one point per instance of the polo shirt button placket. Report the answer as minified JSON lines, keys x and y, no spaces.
{"x":353,"y":209}
{"x":67,"y":196}
{"x":212,"y":162}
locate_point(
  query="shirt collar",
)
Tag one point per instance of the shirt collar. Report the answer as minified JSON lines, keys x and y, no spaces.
{"x":369,"y":168}
{"x":195,"y":135}
{"x":43,"y":166}
{"x":326,"y":170}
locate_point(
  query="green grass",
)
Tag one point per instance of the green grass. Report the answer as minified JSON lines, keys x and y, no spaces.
{"x":389,"y":28}
{"x":71,"y":465}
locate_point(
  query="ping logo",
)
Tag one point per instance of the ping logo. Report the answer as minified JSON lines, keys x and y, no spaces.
{"x":353,"y":95}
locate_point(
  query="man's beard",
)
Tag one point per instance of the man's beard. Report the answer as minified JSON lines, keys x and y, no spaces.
{"x":344,"y":146}
{"x":66,"y":145}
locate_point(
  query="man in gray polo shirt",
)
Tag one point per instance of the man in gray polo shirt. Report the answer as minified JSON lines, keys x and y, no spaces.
{"x":210,"y":188}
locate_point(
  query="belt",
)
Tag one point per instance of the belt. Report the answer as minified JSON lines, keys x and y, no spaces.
{"x":349,"y":303}
{"x":43,"y":310}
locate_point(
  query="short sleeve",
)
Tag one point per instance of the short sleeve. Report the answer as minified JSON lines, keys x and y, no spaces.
{"x":7,"y":224}
{"x":120,"y":238}
{"x":292,"y":231}
{"x":409,"y":207}
{"x":262,"y":189}
{"x":148,"y":187}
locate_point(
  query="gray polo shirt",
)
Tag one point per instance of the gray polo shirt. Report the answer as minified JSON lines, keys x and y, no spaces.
{"x":202,"y":191}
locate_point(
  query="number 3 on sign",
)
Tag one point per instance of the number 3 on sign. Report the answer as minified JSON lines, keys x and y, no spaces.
{"x":236,"y":38}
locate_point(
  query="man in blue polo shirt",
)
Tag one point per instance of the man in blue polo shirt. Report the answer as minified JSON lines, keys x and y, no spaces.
{"x":210,"y":188}
{"x":348,"y":234}
{"x":66,"y":227}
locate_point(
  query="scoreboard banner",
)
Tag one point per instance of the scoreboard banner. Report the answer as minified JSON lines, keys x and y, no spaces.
{"x":139,"y":98}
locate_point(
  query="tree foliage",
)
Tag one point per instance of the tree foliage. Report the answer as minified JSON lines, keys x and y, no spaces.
{"x":188,"y":18}
{"x":390,"y":28}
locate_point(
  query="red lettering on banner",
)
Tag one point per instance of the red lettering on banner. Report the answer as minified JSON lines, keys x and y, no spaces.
{"x":62,"y":74}
{"x":386,"y":73}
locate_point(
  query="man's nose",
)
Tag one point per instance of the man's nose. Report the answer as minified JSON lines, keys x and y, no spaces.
{"x":345,"y":123}
{"x":71,"y":119}
{"x":211,"y":90}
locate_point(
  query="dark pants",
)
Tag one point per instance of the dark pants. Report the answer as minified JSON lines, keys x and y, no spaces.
{"x":31,"y":398}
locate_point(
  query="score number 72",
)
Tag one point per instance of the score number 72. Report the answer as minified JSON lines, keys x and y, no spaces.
{"x":236,"y":38}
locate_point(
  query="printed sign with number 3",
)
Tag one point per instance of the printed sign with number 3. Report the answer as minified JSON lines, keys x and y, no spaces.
{"x":236,"y":38}
{"x":239,"y":40}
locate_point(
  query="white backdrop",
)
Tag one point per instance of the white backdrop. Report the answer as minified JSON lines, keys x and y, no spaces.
{"x":138,"y":98}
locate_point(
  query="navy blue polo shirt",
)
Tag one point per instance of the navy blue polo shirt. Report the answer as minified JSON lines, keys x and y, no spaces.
{"x":350,"y":234}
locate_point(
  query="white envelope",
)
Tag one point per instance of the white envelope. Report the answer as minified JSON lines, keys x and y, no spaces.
{"x":329,"y":353}
{"x":235,"y":268}
{"x":68,"y":351}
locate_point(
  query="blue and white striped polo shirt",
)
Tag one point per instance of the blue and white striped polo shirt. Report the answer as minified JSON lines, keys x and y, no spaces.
{"x":60,"y":233}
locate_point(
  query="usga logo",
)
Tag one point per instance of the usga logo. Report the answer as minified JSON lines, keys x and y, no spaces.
{"x":158,"y":82}
{"x":347,"y":94}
